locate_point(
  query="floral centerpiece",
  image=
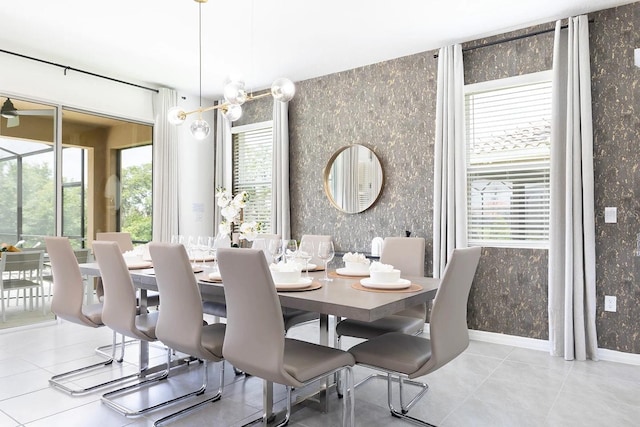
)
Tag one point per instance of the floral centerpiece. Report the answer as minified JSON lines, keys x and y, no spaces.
{"x":231,"y":210}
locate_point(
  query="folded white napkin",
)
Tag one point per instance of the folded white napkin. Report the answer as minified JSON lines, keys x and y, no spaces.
{"x":285,"y":266}
{"x":378,"y":266}
{"x":355,"y":258}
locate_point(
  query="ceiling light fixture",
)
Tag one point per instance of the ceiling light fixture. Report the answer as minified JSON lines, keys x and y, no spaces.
{"x":235,"y":95}
{"x":8,"y":111}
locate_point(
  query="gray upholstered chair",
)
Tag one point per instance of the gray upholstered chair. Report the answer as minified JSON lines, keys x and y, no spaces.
{"x":125,"y":243}
{"x":291,"y":316}
{"x":120,"y":313}
{"x":180,"y":324}
{"x":219,"y":308}
{"x":407,"y":255}
{"x":406,"y":357}
{"x":123,"y":239}
{"x":68,"y":294}
{"x":254,"y":341}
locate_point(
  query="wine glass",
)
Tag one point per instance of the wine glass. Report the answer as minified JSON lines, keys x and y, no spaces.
{"x":203,"y":248}
{"x":211,"y":250}
{"x":325,"y":253}
{"x":191,"y":247}
{"x":274,"y":246}
{"x":305,"y":252}
{"x":290,"y":249}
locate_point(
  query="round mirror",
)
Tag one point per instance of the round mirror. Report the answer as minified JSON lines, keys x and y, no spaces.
{"x":353,"y":178}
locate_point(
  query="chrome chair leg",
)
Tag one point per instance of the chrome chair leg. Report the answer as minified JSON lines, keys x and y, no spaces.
{"x":109,"y":398}
{"x":202,"y":389}
{"x":59,"y":381}
{"x":405,"y":409}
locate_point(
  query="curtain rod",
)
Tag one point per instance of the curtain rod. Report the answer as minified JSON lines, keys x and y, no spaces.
{"x":67,"y":68}
{"x":514,"y":38}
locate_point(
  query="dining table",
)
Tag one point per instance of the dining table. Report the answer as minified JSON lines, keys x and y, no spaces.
{"x":342,"y":297}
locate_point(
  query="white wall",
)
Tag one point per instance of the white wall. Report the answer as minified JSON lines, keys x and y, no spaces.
{"x":196,"y":166}
{"x":46,"y":83}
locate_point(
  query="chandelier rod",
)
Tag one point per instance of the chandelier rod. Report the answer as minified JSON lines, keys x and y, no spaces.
{"x":200,"y":46}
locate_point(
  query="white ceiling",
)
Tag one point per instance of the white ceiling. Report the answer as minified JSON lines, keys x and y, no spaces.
{"x":155,"y":42}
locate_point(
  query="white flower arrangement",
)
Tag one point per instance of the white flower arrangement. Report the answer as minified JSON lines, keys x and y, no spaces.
{"x":230,"y":209}
{"x":378,"y":266}
{"x":249,"y":230}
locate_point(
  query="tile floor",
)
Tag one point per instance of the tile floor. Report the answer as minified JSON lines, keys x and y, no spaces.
{"x":488,"y":385}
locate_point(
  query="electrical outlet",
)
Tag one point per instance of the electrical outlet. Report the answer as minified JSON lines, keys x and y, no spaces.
{"x":609,"y":303}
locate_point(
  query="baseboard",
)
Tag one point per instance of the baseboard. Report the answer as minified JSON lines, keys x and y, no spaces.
{"x":543,"y":345}
{"x":512,"y":340}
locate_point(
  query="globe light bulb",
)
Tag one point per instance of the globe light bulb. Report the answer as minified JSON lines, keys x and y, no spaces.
{"x":200,"y":129}
{"x":234,"y":93}
{"x":283,"y":90}
{"x":233,"y":112}
{"x":176,"y":115}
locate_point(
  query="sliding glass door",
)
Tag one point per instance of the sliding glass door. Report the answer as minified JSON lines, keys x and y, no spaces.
{"x":105,"y":168}
{"x":27,"y":172}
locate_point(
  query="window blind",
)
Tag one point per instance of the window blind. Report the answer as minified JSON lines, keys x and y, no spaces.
{"x":508,"y":132}
{"x":252,"y":154}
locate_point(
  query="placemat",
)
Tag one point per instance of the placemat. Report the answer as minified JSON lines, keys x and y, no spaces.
{"x":413,"y":288}
{"x":205,"y":278}
{"x":312,"y":287}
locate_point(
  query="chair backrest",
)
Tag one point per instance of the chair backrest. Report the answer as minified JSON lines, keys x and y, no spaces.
{"x":68,"y":288}
{"x":122,"y":238}
{"x":449,"y":333}
{"x":254,"y":338}
{"x":83,"y":255}
{"x":180,"y":317}
{"x":28,"y":262}
{"x":315,"y":239}
{"x":119,"y":307}
{"x":404,"y":253}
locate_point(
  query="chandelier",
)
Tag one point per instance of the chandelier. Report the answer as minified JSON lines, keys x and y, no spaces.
{"x":234,"y":94}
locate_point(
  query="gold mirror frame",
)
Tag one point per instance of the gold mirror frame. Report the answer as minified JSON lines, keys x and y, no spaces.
{"x":365,"y":186}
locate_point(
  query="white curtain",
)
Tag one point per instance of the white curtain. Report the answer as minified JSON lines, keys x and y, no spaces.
{"x":165,"y":168}
{"x":222,"y":166}
{"x":280,"y":213}
{"x":572,"y":275}
{"x":449,"y":197}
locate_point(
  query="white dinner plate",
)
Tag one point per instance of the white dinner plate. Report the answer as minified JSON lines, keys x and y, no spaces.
{"x":136,"y":265}
{"x":345,"y":272}
{"x":300,"y":284}
{"x":215,"y":275}
{"x":400,"y":284}
{"x":198,"y":258}
{"x":310,"y":267}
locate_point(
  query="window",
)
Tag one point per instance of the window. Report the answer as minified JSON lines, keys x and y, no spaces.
{"x":136,"y":202}
{"x":508,"y":132}
{"x":252,"y":154}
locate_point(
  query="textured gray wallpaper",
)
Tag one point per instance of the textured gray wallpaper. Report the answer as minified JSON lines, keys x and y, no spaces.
{"x":390,"y":108}
{"x":387,"y":107}
{"x":616,"y":116}
{"x":510,"y":290}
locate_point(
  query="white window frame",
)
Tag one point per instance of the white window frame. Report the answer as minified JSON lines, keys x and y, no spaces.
{"x":252,"y":127}
{"x":537,"y":161}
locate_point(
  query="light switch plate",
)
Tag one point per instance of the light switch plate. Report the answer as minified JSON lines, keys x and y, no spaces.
{"x":610,"y":215}
{"x":610,"y":303}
